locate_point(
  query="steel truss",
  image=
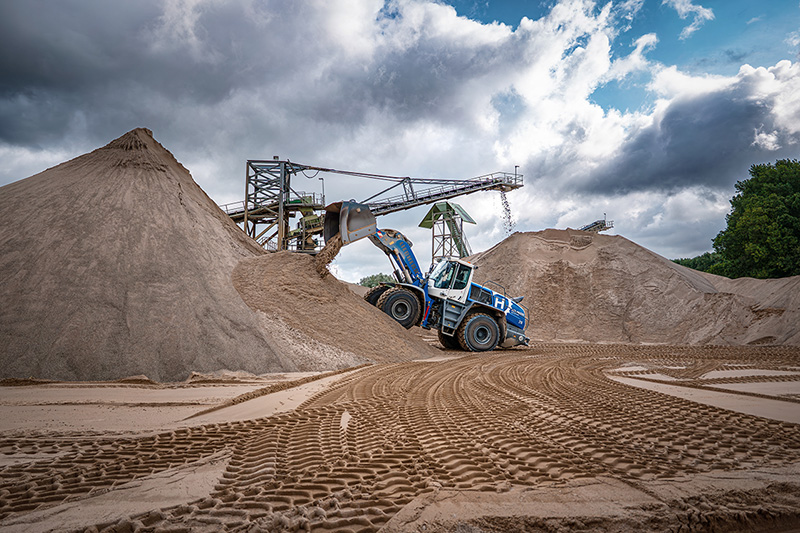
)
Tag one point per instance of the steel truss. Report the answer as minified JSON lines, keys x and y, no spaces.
{"x":270,"y":201}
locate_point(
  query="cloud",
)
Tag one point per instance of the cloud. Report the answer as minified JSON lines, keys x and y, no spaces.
{"x":793,"y":39}
{"x":627,"y":11}
{"x":403,"y":87}
{"x":635,"y":61}
{"x":766,"y":141}
{"x":685,"y":8}
{"x":179,"y":27}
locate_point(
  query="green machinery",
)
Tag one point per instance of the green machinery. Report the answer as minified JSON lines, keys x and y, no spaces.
{"x":309,"y":228}
{"x":446,"y":219}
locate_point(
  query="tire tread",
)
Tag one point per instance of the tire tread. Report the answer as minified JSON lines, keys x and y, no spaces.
{"x":461,"y":332}
{"x":394,"y":290}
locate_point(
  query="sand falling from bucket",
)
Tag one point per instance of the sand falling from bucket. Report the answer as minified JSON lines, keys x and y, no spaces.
{"x":328,"y":254}
{"x":509,"y":224}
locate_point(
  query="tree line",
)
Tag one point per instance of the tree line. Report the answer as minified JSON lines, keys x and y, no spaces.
{"x":762,"y":237}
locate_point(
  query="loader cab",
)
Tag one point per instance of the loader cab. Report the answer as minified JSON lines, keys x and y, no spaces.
{"x":451,"y":279}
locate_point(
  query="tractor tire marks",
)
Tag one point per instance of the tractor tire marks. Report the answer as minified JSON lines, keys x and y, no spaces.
{"x":350,"y":457}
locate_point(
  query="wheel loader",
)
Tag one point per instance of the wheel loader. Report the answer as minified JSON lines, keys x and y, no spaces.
{"x":466,"y":315}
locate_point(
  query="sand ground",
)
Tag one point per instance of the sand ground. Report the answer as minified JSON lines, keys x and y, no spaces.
{"x":555,"y":437}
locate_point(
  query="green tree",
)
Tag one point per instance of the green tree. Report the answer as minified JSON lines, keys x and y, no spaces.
{"x":375,"y":280}
{"x":762,"y":239}
{"x":704,"y":262}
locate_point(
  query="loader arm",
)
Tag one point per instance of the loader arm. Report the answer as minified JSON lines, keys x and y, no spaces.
{"x":398,"y":249}
{"x":354,"y":221}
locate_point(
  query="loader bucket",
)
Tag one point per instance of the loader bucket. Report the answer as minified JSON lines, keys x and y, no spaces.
{"x":353,"y":221}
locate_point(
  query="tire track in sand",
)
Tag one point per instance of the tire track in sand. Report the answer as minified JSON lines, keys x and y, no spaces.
{"x":352,"y":456}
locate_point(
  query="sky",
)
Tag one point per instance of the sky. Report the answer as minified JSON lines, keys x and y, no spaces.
{"x":644,"y":111}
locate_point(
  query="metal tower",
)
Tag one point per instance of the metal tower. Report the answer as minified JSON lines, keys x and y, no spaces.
{"x":446,"y":219}
{"x":270,"y":201}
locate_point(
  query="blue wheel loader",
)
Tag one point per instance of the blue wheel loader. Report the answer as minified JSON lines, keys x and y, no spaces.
{"x":466,"y":315}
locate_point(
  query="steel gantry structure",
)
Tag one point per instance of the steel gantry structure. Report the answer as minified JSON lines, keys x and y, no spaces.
{"x":271,"y":201}
{"x":598,"y":225}
{"x":446,"y":220}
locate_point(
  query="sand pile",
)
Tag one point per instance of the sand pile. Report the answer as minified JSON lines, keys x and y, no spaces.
{"x":320,"y":317}
{"x":116,"y":263}
{"x":602,"y":288}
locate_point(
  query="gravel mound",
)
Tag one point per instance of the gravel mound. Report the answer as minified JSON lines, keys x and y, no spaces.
{"x":321,"y":317}
{"x":580,"y":286}
{"x":126,"y":272}
{"x":117,"y":264}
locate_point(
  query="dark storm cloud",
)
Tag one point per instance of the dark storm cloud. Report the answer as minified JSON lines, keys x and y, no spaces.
{"x":51,"y":55}
{"x":107,"y":63}
{"x":67,"y":45}
{"x":56,"y":58}
{"x":99,"y":68}
{"x":703,"y":140}
{"x":386,"y":85}
{"x":694,"y":137}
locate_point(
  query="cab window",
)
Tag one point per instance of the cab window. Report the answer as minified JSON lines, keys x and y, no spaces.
{"x":442,"y":275}
{"x":462,"y":277}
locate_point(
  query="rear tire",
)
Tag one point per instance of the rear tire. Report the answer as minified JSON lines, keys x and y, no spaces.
{"x":375,"y":292}
{"x":448,"y":341}
{"x":401,"y":304}
{"x":478,"y":332}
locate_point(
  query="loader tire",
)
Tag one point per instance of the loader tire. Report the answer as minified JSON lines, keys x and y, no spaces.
{"x":375,"y":292}
{"x":448,"y":341}
{"x":478,"y":332}
{"x":401,"y":304}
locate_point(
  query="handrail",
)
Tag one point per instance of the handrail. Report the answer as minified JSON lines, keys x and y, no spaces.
{"x":229,"y":209}
{"x":237,"y":208}
{"x":458,"y":187}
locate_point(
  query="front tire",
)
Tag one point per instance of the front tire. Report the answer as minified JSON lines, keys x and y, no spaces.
{"x":478,"y":332}
{"x":375,"y":293}
{"x":400,"y":304}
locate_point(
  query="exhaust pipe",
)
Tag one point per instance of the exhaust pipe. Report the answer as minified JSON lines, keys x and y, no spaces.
{"x":351,"y":220}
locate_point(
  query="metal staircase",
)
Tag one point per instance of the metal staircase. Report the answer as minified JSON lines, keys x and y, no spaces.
{"x":446,"y":220}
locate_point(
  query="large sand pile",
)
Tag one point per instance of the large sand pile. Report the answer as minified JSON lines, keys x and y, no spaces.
{"x":116,"y":263}
{"x":322,"y":318}
{"x":601,"y":288}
